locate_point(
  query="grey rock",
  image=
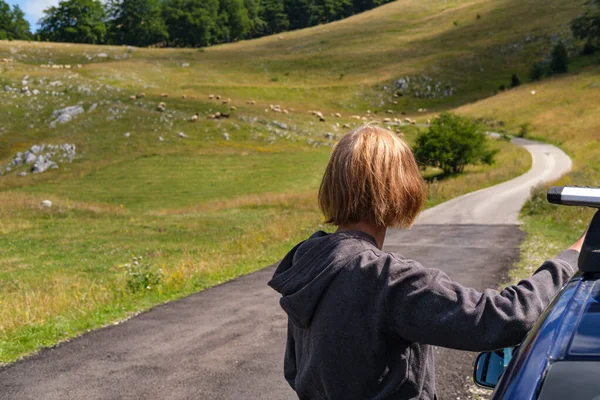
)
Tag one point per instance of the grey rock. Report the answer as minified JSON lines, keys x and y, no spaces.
{"x":29,"y":158}
{"x":23,"y":173}
{"x":183,"y":135}
{"x":17,"y":161}
{"x":127,"y":134}
{"x":93,"y":107}
{"x":46,"y":203}
{"x":35,"y":149}
{"x":65,"y":115}
{"x":43,"y":164}
{"x":280,"y":125}
{"x":161,"y":139}
{"x":226,"y":136}
{"x":102,"y":55}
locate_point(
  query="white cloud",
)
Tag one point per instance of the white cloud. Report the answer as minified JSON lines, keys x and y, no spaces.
{"x":35,"y":8}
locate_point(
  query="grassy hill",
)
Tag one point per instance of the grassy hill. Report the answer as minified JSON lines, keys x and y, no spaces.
{"x":201,"y":209}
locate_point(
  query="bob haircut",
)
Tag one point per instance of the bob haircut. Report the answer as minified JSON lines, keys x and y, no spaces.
{"x":372,"y":176}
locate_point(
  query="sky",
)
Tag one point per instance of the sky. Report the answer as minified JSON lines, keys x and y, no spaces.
{"x":33,"y":9}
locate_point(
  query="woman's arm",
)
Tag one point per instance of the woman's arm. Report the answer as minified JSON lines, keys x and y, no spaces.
{"x":425,"y":306}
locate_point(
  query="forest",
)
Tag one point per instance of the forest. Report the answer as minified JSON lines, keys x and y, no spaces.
{"x":174,"y":23}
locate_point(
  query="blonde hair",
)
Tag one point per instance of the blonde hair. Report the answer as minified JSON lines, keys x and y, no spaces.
{"x":372,"y":176}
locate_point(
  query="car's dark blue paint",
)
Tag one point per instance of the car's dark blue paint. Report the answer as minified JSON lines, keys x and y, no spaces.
{"x":569,"y":330}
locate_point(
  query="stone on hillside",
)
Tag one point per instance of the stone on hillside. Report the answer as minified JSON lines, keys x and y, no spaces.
{"x":280,"y":125}
{"x":29,"y":157}
{"x":43,"y":164}
{"x":46,"y":203}
{"x":102,"y":55}
{"x":185,"y":64}
{"x":17,"y":161}
{"x":127,"y":134}
{"x":65,"y":115}
{"x":93,"y":107}
{"x":226,"y":136}
{"x":183,"y":135}
{"x":161,"y":139}
{"x":36,"y":148}
{"x":23,"y":173}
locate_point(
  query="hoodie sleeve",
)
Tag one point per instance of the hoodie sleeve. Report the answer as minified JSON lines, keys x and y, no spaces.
{"x":425,"y":306}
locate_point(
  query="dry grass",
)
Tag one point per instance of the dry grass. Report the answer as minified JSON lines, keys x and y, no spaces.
{"x":300,"y":201}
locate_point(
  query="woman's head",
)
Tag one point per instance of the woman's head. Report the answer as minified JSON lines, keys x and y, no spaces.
{"x":372,"y":177}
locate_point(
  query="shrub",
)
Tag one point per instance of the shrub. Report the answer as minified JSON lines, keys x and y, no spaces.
{"x":140,"y":276}
{"x":537,"y":71}
{"x":514,"y":81}
{"x":524,"y":130}
{"x":560,"y":59}
{"x":451,"y":143}
{"x":502,"y":87}
{"x":589,"y":48}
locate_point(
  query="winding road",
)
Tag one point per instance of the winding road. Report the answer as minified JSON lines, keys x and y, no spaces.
{"x":227,"y":342}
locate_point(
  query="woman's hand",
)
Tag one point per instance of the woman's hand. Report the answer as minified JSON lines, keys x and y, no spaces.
{"x":579,"y":243}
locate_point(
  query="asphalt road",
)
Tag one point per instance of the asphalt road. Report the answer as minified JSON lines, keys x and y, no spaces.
{"x":227,"y":342}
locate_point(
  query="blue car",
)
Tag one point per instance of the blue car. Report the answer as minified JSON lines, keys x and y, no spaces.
{"x":560,"y":358}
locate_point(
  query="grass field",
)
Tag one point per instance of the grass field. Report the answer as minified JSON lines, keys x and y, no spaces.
{"x":201,"y":210}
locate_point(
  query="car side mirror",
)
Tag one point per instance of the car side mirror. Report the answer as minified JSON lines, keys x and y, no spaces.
{"x":489,"y":367}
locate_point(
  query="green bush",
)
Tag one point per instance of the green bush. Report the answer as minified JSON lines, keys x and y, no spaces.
{"x":560,"y":59}
{"x":589,"y":48}
{"x":524,"y":130}
{"x":537,"y":71}
{"x":451,"y":143}
{"x":141,"y":276}
{"x":514,"y":81}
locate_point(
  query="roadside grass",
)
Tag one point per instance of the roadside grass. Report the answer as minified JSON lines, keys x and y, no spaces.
{"x":565,"y":111}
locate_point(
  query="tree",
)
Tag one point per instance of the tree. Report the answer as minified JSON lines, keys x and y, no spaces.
{"x":587,"y":27}
{"x":13,"y":25}
{"x":75,"y":21}
{"x":137,"y":22}
{"x":274,"y":16}
{"x":451,"y":143}
{"x":514,"y":81}
{"x":191,"y":22}
{"x":560,"y":59}
{"x":537,"y":71}
{"x":232,"y":22}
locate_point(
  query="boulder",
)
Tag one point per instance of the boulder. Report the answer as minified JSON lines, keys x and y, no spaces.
{"x":46,"y":203}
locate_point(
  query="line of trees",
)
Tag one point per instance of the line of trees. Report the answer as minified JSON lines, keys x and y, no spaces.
{"x":13,"y":25}
{"x":187,"y":23}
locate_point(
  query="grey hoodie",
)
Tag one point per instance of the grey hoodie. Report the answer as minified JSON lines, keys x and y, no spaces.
{"x":361,"y":321}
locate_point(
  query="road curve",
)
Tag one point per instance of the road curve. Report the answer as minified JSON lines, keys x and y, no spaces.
{"x":227,"y":342}
{"x":483,"y":206}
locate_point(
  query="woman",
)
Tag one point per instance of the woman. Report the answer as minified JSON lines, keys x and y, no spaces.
{"x":361,"y":321}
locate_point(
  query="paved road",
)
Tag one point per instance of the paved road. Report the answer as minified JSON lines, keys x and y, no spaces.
{"x":227,"y":342}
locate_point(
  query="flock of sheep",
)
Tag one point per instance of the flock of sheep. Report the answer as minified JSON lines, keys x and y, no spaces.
{"x":162,"y":106}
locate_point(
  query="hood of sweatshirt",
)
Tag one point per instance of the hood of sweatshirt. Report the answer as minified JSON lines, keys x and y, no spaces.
{"x":306,"y":271}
